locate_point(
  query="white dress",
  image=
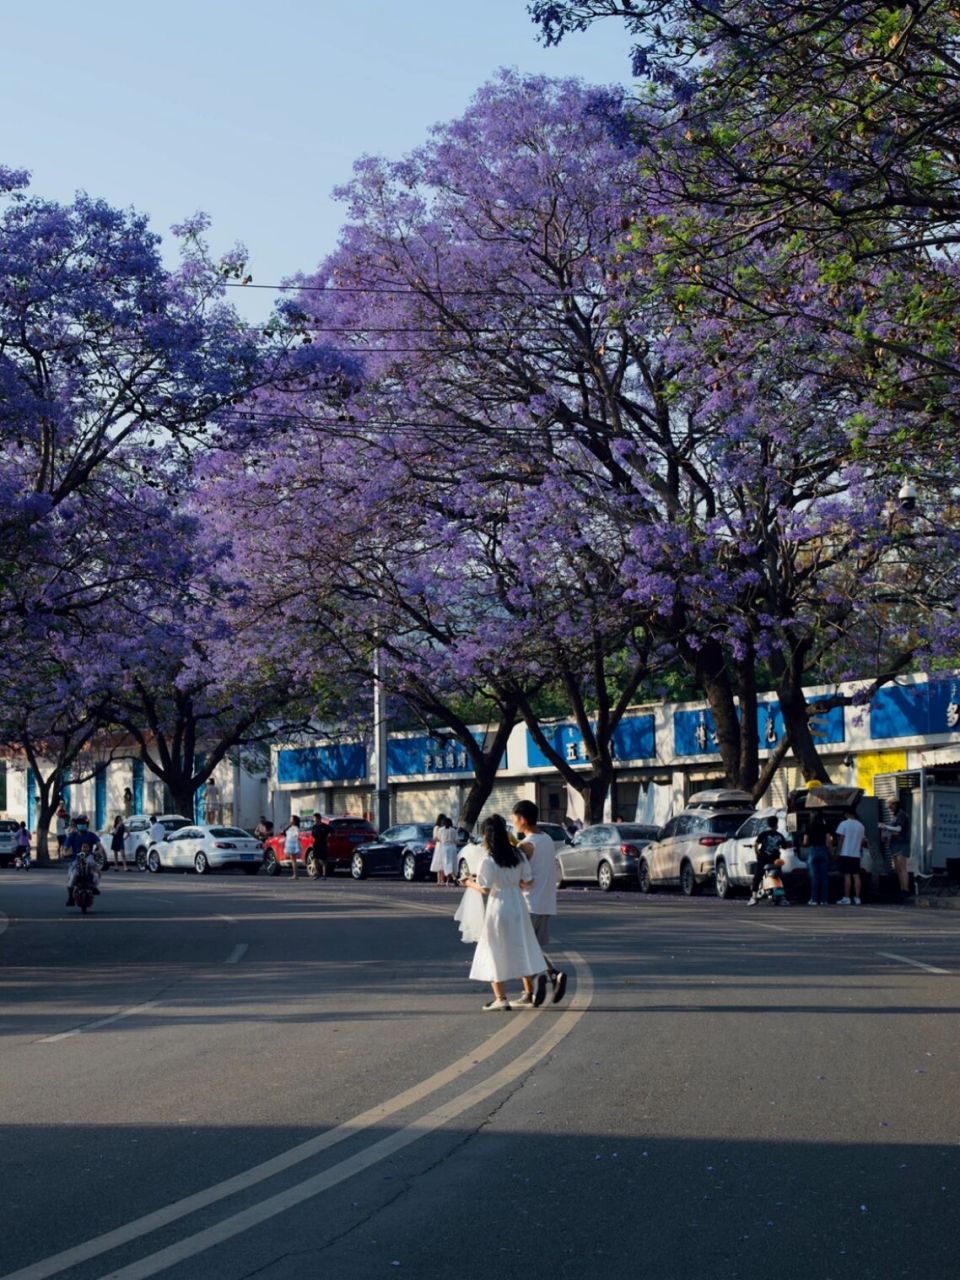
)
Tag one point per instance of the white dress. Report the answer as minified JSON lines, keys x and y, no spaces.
{"x":508,"y":947}
{"x":448,"y":849}
{"x":469,"y":916}
{"x":437,"y":861}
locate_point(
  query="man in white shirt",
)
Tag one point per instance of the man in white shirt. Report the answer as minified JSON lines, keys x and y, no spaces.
{"x":541,"y":896}
{"x":157,"y":831}
{"x":848,"y":841}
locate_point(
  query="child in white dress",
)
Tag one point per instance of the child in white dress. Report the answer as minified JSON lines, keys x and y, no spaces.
{"x":507,"y":947}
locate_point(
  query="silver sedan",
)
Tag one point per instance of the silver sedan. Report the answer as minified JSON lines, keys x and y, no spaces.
{"x":205,"y":848}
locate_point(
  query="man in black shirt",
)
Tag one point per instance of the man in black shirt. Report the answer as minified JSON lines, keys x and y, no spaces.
{"x":818,"y":859}
{"x":320,"y":832}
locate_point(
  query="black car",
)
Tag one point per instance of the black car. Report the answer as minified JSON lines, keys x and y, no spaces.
{"x":405,"y":850}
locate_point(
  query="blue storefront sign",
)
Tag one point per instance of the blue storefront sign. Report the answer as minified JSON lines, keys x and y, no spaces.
{"x":915,"y":710}
{"x":334,"y":762}
{"x":694,"y":732}
{"x":633,"y":739}
{"x":419,"y":756}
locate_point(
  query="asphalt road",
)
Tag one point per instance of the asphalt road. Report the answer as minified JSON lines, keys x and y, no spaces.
{"x":227,"y":1077}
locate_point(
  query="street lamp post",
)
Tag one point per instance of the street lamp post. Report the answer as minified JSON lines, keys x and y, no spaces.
{"x":378,"y":761}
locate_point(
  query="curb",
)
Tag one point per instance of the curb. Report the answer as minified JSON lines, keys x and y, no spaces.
{"x":951,"y":904}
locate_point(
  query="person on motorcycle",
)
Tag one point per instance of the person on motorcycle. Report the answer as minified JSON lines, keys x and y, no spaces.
{"x":74,"y":839}
{"x":83,"y":864}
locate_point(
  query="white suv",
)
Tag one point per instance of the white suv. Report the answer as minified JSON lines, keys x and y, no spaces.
{"x":736,"y":858}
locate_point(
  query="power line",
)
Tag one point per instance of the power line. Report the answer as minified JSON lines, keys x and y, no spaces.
{"x":409,"y":291}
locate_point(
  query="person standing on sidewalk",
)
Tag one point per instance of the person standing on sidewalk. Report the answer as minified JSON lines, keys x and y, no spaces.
{"x":818,"y":859}
{"x":541,"y":896}
{"x":63,"y":819}
{"x":895,"y":834}
{"x":320,"y":834}
{"x":848,"y":841}
{"x":118,"y":843}
{"x":291,"y":844}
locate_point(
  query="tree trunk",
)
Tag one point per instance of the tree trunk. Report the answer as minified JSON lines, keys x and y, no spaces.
{"x":485,"y":762}
{"x":796,"y":723}
{"x":595,"y":788}
{"x":47,"y":796}
{"x":592,"y":784}
{"x":710,"y":671}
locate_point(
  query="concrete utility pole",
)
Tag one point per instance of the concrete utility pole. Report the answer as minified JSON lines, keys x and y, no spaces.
{"x":378,"y":758}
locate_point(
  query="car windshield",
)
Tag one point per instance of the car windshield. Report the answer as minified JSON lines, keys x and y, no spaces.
{"x":8,"y":826}
{"x":235,"y":832}
{"x":173,"y":824}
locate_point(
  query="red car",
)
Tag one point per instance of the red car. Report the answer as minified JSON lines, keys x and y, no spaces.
{"x":345,"y":834}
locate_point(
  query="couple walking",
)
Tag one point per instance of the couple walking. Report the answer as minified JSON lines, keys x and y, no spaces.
{"x":515,"y":889}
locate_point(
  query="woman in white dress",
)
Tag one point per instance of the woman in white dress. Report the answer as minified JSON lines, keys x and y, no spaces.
{"x":508,"y":947}
{"x":448,"y":847}
{"x":437,"y":861}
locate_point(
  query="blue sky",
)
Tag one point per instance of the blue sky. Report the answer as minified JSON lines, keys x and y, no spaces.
{"x":249,"y":111}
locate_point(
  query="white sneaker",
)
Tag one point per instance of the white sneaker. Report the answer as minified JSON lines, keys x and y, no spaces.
{"x":496,"y":1004}
{"x":812,"y":902}
{"x":751,"y":901}
{"x":844,"y":902}
{"x":856,"y":902}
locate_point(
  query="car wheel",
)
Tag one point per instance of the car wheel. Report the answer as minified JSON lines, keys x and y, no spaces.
{"x":724,"y":887}
{"x":270,"y":864}
{"x":605,"y":876}
{"x":312,"y":865}
{"x":688,"y":881}
{"x":358,"y":868}
{"x":201,"y":864}
{"x":140,"y":858}
{"x":409,"y":867}
{"x":644,"y":881}
{"x":463,"y":869}
{"x":153,"y":862}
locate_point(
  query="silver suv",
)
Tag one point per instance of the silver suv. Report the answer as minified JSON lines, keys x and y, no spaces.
{"x":685,"y":850}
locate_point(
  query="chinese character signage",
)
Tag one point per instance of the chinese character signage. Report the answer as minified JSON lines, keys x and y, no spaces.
{"x":633,"y":739}
{"x":414,"y":757}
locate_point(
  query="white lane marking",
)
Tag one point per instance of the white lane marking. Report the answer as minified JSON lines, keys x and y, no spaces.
{"x":4,"y":922}
{"x":917,"y":964}
{"x":103,"y":1022}
{"x":229,"y":919}
{"x":238,"y":952}
{"x":287,"y":1159}
{"x":237,"y":1223}
{"x":779,"y":928}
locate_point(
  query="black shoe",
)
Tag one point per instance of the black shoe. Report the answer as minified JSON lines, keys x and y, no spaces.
{"x":539,"y":990}
{"x":559,"y":980}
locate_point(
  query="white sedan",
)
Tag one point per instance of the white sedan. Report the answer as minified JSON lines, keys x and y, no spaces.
{"x":205,"y":848}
